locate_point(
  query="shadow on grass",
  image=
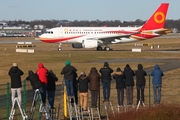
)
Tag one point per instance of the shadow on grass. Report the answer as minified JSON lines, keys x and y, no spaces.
{"x":158,"y":112}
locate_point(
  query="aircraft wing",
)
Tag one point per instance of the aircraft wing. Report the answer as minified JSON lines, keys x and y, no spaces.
{"x":111,"y":39}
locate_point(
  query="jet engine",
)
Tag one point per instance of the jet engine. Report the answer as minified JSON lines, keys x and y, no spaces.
{"x":86,"y":44}
{"x":89,"y":43}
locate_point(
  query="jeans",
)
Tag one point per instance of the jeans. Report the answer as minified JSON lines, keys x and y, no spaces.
{"x":43,"y":90}
{"x":120,"y":96}
{"x":106,"y":90}
{"x":69,"y":87}
{"x":51,"y":96}
{"x":13,"y":94}
{"x":157,"y":97}
{"x":140,"y":89}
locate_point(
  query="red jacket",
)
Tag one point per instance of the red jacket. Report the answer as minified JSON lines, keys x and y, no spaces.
{"x":42,"y":73}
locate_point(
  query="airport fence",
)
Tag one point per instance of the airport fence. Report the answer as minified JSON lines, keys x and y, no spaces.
{"x":170,"y":94}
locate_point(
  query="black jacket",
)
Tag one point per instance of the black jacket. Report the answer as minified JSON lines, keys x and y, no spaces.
{"x":34,"y":80}
{"x":51,"y":85}
{"x":140,"y":75}
{"x":83,"y":83}
{"x":118,"y":76}
{"x":15,"y":75}
{"x":128,"y":76}
{"x":106,"y":74}
{"x":68,"y":72}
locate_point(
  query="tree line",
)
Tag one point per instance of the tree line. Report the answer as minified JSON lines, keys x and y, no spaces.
{"x":171,"y":24}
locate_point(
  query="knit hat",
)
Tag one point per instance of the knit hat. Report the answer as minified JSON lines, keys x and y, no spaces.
{"x":68,"y":62}
{"x":14,"y":65}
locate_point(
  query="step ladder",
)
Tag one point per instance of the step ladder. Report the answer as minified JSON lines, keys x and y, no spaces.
{"x":95,"y":114}
{"x":13,"y":109}
{"x":85,"y":114}
{"x":108,"y":109}
{"x":72,"y":108}
{"x":121,"y":109}
{"x":53,"y":114}
{"x":129,"y":107}
{"x":42,"y":109}
{"x":140,"y":102}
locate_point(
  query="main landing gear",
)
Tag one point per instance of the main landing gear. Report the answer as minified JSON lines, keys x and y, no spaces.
{"x":106,"y":48}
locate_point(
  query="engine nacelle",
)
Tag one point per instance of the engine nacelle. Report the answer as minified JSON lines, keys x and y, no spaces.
{"x":89,"y":43}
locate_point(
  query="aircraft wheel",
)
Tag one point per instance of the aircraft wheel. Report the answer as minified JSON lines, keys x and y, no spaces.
{"x":59,"y":49}
{"x":107,"y":48}
{"x":99,"y":48}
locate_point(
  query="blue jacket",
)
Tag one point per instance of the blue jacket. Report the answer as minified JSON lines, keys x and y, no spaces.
{"x":157,"y":75}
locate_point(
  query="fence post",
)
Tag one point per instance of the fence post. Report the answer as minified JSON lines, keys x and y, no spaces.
{"x":7,"y":100}
{"x":149,"y":90}
{"x":24,"y":96}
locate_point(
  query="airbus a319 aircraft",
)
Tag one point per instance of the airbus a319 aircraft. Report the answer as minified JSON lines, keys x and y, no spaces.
{"x":96,"y":37}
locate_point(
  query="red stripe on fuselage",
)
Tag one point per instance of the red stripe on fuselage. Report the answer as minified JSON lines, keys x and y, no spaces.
{"x":54,"y":40}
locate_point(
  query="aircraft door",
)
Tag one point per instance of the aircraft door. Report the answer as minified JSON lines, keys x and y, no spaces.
{"x":60,"y":33}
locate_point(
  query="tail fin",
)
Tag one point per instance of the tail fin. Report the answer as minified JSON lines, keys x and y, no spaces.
{"x":157,"y":20}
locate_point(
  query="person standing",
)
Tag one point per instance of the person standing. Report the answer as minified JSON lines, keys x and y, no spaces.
{"x":94,"y":85}
{"x":129,"y":83}
{"x":106,"y":80}
{"x":83,"y":90}
{"x":140,"y":83}
{"x":157,"y":74}
{"x":42,"y":75}
{"x":69,"y":71}
{"x":120,"y":85}
{"x":34,"y":80}
{"x":51,"y":87}
{"x":15,"y":75}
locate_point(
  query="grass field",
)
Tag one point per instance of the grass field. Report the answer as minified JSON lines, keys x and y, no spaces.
{"x":83,"y":59}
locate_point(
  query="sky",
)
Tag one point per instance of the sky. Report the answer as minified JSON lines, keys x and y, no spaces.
{"x":123,"y":10}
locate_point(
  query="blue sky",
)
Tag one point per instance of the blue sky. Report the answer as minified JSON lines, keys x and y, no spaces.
{"x":124,"y":10}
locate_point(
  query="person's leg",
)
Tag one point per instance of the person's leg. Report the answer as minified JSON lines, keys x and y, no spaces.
{"x":155,"y":95}
{"x":142,"y":93}
{"x":96,"y":97}
{"x":159,"y":94}
{"x":85,"y":101}
{"x":71,"y":88}
{"x":43,"y":93}
{"x":51,"y":95}
{"x":127,"y":95}
{"x":104,"y":90}
{"x":108,"y":90}
{"x":13,"y":93}
{"x":118,"y":96}
{"x":67,"y":87}
{"x":131,"y":95}
{"x":81,"y":100}
{"x":121,"y":96}
{"x":19,"y":95}
{"x":138,"y":94}
{"x":92,"y":98}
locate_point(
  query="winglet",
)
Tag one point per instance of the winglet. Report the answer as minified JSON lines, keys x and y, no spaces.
{"x":158,"y":19}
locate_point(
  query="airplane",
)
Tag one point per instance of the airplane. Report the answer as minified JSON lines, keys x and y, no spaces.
{"x":96,"y":37}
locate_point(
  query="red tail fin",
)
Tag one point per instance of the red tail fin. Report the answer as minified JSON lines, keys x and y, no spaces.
{"x":157,"y":20}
